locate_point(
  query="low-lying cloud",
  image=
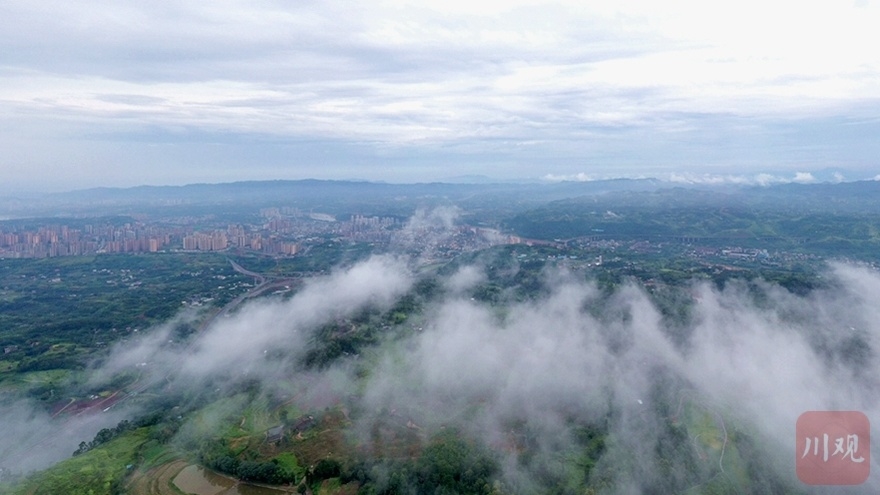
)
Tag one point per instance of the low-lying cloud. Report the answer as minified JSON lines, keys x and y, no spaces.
{"x":751,"y":356}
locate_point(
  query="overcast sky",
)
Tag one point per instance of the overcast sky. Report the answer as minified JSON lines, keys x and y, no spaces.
{"x":120,"y":93}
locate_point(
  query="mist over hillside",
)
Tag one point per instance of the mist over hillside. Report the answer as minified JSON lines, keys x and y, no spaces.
{"x":711,"y":397}
{"x":548,"y":372}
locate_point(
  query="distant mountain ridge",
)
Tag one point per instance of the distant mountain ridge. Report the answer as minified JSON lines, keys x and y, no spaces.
{"x":341,"y":196}
{"x":334,"y":194}
{"x":311,"y":185}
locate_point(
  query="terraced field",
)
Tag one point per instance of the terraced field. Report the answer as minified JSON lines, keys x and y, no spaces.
{"x":157,"y":481}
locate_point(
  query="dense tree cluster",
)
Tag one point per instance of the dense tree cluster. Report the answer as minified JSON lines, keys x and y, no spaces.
{"x":448,"y":465}
{"x":217,"y":457}
{"x":104,"y":436}
{"x":256,"y":471}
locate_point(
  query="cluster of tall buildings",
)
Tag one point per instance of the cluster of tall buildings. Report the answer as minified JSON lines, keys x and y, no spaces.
{"x":280,"y":232}
{"x":63,"y":240}
{"x":236,"y":237}
{"x":212,"y":241}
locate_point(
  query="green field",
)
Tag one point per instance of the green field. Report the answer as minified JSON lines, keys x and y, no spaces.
{"x":97,"y":472}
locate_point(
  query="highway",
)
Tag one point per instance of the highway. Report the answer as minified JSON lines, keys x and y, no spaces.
{"x":244,"y":271}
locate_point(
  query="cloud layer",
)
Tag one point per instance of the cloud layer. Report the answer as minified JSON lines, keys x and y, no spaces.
{"x":757,"y":356}
{"x":403,"y":91}
{"x":525,"y":375}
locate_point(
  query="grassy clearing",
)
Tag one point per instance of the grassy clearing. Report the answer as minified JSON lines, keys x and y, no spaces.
{"x":96,"y":472}
{"x":328,"y":487}
{"x":708,"y":431}
{"x":325,"y":440}
{"x":223,"y":411}
{"x":43,"y":377}
{"x":257,"y":417}
{"x":290,"y":410}
{"x":155,"y":454}
{"x":62,"y":348}
{"x":288,"y":461}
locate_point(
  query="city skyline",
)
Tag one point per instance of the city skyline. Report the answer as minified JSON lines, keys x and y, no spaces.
{"x":122,"y":94}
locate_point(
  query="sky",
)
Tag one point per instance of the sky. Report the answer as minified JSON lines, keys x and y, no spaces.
{"x":122,"y":93}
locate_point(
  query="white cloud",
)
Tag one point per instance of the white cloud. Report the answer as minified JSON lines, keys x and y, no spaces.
{"x":767,"y":179}
{"x":756,"y":364}
{"x":761,"y":179}
{"x":464,"y":279}
{"x":803,"y":178}
{"x":578,"y":177}
{"x":754,"y":355}
{"x":432,"y":76}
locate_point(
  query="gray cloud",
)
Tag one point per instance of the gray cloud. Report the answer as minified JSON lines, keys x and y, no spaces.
{"x":531,"y":88}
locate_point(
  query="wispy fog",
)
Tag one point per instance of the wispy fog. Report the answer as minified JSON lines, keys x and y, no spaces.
{"x":750,"y":357}
{"x":32,"y":439}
